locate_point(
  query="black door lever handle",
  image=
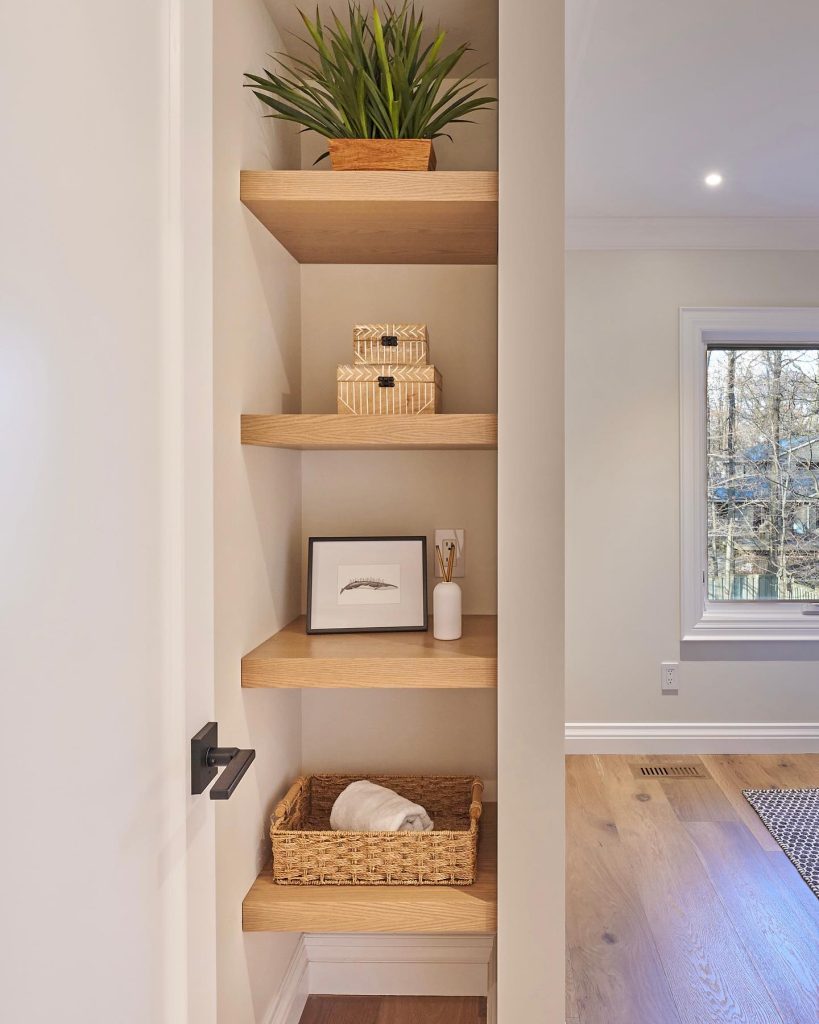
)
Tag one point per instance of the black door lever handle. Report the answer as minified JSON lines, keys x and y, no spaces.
{"x":236,"y":766}
{"x":207,"y":756}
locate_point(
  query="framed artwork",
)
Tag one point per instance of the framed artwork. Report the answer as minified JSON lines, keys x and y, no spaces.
{"x":366,"y":584}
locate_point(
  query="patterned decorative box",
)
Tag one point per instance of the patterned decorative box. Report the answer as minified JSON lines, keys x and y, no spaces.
{"x":387,"y":390}
{"x":393,"y":344}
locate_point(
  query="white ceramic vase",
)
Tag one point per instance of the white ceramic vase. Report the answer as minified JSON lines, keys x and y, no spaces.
{"x":446,"y":611}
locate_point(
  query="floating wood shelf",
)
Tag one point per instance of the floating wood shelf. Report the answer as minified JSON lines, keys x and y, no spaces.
{"x":380,"y":908}
{"x":307,"y":431}
{"x":291,"y":658}
{"x":378,"y":216}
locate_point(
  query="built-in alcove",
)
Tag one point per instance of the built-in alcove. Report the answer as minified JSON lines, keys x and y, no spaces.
{"x":355,"y":715}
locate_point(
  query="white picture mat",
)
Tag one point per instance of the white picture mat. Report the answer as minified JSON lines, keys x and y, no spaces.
{"x":328,"y":613}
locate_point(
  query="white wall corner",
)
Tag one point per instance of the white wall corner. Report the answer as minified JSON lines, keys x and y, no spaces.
{"x":492,"y":987}
{"x":292,"y":997}
{"x":692,"y":737}
{"x":396,"y":965}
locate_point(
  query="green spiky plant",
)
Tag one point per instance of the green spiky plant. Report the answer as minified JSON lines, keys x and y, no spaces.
{"x":371,"y":79}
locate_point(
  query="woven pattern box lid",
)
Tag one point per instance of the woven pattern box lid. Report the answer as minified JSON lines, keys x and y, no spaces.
{"x":396,"y":344}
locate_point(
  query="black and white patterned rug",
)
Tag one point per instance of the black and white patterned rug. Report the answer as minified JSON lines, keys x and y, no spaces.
{"x":792,"y":818}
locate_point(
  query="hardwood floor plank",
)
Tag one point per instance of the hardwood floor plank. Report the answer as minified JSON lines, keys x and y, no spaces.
{"x":692,"y":799}
{"x":790,"y":877}
{"x":589,"y":817}
{"x":734,"y":773}
{"x":709,"y":971}
{"x":699,"y":800}
{"x":328,"y":1009}
{"x":781,"y":938}
{"x":341,"y":1010}
{"x":615,"y":967}
{"x":432,"y":1010}
{"x":617,"y":972}
{"x":792,"y":771}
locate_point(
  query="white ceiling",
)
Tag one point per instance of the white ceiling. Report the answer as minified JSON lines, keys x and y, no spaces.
{"x":659,"y":92}
{"x":465,"y":21}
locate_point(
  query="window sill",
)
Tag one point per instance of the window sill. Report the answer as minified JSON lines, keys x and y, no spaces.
{"x":753,"y":624}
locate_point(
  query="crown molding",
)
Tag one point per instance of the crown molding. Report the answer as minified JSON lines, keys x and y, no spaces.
{"x":744,"y":233}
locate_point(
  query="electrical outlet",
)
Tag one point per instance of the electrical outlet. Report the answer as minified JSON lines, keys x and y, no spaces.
{"x":445,"y":540}
{"x":669,"y":671}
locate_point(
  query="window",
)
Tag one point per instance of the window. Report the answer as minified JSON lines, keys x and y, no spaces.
{"x":762,"y":439}
{"x":750,"y":473}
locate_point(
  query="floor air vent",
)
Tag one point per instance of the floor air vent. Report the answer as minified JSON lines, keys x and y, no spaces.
{"x":669,"y":771}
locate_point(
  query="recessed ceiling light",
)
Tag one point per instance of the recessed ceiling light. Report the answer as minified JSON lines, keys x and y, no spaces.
{"x":713,"y":179}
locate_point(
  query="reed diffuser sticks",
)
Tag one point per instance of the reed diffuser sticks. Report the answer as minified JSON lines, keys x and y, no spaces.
{"x":447,"y":567}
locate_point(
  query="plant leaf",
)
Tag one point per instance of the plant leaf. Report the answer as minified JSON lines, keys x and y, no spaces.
{"x":371,"y":77}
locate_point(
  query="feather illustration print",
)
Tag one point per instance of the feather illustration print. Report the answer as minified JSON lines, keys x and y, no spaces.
{"x":368,"y":583}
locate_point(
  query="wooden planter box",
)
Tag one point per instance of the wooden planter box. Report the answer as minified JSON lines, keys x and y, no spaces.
{"x":388,"y":390}
{"x":393,"y":344}
{"x":381,"y":154}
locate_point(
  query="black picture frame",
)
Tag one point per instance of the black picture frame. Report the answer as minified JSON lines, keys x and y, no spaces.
{"x":420,"y":539}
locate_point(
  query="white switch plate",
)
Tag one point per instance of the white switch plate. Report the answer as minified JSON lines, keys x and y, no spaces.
{"x":445,"y":539}
{"x":669,"y":673}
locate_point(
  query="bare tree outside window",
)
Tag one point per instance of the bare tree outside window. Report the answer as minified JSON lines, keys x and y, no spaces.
{"x":763,"y":473}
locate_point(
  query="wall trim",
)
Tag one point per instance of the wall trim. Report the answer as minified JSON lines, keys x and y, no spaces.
{"x":634,"y":233}
{"x":691,"y":737}
{"x":437,"y":965}
{"x":292,"y":997}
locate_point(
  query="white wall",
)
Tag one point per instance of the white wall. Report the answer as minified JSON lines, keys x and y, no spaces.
{"x":530,"y":515}
{"x":343,"y":493}
{"x":622,"y":396}
{"x":445,"y":732}
{"x":257,"y":495}
{"x":93,"y":736}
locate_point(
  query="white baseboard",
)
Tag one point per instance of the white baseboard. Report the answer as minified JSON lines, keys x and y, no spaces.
{"x":692,"y":737}
{"x":294,"y":990}
{"x":397,"y":965}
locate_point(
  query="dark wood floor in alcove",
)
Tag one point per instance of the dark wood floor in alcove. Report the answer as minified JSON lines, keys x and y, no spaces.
{"x":394,"y":1010}
{"x":681,"y":908}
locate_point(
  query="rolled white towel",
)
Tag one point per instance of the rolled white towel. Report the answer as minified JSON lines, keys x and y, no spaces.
{"x":365,"y":807}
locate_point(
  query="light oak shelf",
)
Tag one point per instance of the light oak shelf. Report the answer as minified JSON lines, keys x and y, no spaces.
{"x":378,"y":216}
{"x":380,"y":908}
{"x":291,"y":658}
{"x":308,"y":431}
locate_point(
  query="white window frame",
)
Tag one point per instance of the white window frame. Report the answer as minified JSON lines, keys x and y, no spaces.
{"x":727,"y":620}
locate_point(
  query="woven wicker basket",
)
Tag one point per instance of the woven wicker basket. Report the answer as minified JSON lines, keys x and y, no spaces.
{"x":307,"y":852}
